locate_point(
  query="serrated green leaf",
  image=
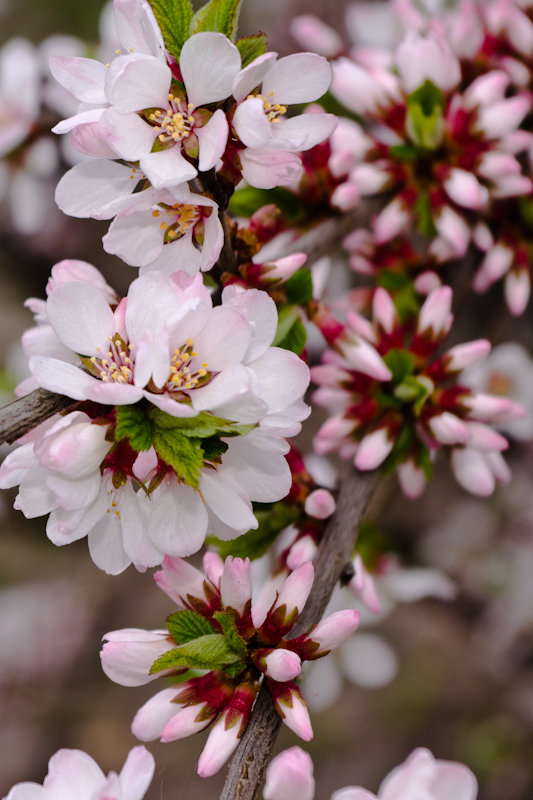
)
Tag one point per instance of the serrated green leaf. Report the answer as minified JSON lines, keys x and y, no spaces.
{"x":229,"y":629}
{"x":202,"y":426}
{"x":256,"y":543}
{"x":295,"y":339}
{"x":221,"y":16}
{"x":133,"y":424}
{"x":235,"y":669}
{"x":174,"y":19}
{"x":400,"y":362}
{"x":184,"y":626}
{"x":214,"y":448}
{"x":182,"y":453}
{"x":299,"y":287}
{"x":206,"y":652}
{"x":251,"y":47}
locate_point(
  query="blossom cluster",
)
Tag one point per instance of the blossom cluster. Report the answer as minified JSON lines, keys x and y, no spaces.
{"x":240,"y":641}
{"x":186,"y":408}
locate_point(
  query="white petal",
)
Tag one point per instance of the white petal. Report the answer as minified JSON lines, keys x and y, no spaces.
{"x":167,"y":167}
{"x":178,"y":521}
{"x":134,"y":83}
{"x":209,"y":63}
{"x":212,"y":139}
{"x":83,"y":77}
{"x":298,"y":78}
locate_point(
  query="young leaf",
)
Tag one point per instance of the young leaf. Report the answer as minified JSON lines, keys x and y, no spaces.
{"x":295,"y":339}
{"x":400,"y":362}
{"x":174,"y":19}
{"x":251,"y":47}
{"x":133,"y":424}
{"x":229,"y":629}
{"x":183,"y":454}
{"x":248,"y":200}
{"x":184,"y":626}
{"x":255,"y":543}
{"x":299,"y":287}
{"x":206,"y":652}
{"x":202,"y":426}
{"x":221,"y":16}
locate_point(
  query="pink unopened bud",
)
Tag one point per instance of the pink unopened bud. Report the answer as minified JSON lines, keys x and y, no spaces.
{"x":435,"y":314}
{"x":487,"y":407}
{"x":448,"y":429}
{"x":369,"y":179}
{"x":185,"y":722}
{"x":464,"y":189}
{"x":213,"y":566}
{"x":281,"y":665}
{"x":384,"y":310}
{"x":484,"y":438}
{"x":345,"y":197}
{"x":495,"y":264}
{"x":412,"y":479}
{"x":320,"y":504}
{"x":373,"y":449}
{"x":76,"y":450}
{"x":472,"y":471}
{"x":517,"y":291}
{"x":292,"y":709}
{"x":315,"y":35}
{"x":427,"y":58}
{"x":364,"y":358}
{"x":331,"y":632}
{"x":179,"y":579}
{"x":427,"y":282}
{"x":465,"y":355}
{"x":220,"y":744}
{"x":295,"y":590}
{"x":303,"y":550}
{"x":74,"y":270}
{"x":235,"y":584}
{"x":501,"y":118}
{"x":341,"y":162}
{"x":452,"y":227}
{"x":394,"y":218}
{"x":289,"y":776}
{"x":487,"y":89}
{"x":284,"y":268}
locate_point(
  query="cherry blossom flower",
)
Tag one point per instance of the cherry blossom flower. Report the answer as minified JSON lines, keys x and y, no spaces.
{"x":290,"y":774}
{"x":427,"y":408}
{"x":73,"y":773}
{"x":259,"y":120}
{"x":147,"y":480}
{"x":242,"y":642}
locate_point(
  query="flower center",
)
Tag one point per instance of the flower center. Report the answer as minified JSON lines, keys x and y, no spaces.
{"x":176,"y":123}
{"x":179,"y":218}
{"x":182,"y":376}
{"x":273,"y":111}
{"x":115,"y":364}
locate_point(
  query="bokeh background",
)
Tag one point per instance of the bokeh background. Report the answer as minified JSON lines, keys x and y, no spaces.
{"x":455,"y":676}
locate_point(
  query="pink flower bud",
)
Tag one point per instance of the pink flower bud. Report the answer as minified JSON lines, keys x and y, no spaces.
{"x":373,"y":449}
{"x":341,"y":162}
{"x":187,"y":721}
{"x":465,"y":355}
{"x":345,"y":197}
{"x":75,"y":451}
{"x":213,"y":566}
{"x":320,"y":504}
{"x":394,"y":218}
{"x":484,"y":438}
{"x":427,"y":58}
{"x":487,"y":89}
{"x":179,"y":579}
{"x":220,"y":744}
{"x":303,"y":550}
{"x":369,"y":179}
{"x":517,"y":291}
{"x":128,"y":655}
{"x":292,"y":709}
{"x":332,"y":631}
{"x":448,"y":429}
{"x":487,"y":407}
{"x":473,"y":471}
{"x":384,"y":310}
{"x":464,"y":189}
{"x":284,"y":268}
{"x":290,"y":775}
{"x":363,"y":357}
{"x":501,"y":118}
{"x":315,"y":35}
{"x":452,"y":227}
{"x":281,"y":665}
{"x":435,"y":316}
{"x":235,"y":584}
{"x":427,"y":282}
{"x":412,"y":479}
{"x":495,"y":264}
{"x":295,"y":590}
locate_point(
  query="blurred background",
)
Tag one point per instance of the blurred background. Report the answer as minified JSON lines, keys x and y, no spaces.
{"x":454,"y":675}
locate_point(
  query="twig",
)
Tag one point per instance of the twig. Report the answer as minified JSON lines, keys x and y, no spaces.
{"x":20,"y":416}
{"x":246,"y":770}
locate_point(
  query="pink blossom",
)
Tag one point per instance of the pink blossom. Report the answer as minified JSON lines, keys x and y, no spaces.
{"x":290,"y":775}
{"x":73,"y":773}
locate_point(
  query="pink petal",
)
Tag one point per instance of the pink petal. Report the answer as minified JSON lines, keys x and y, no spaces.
{"x":83,"y":77}
{"x":209,"y":63}
{"x":136,"y":82}
{"x":212,"y":139}
{"x":298,"y":78}
{"x":167,"y":167}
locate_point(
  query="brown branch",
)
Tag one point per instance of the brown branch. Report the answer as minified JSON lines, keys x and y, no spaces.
{"x":246,"y":770}
{"x":20,"y":416}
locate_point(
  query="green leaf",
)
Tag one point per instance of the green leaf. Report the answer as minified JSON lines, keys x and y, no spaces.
{"x":133,"y":424}
{"x":206,"y":652}
{"x":202,"y":426}
{"x":299,"y":287}
{"x":221,"y":16}
{"x":174,"y":19}
{"x":229,"y":629}
{"x":410,"y":390}
{"x":403,"y":152}
{"x":424,"y":215}
{"x":246,"y":201}
{"x":295,"y":339}
{"x":400,"y":362}
{"x":235,"y":669}
{"x":182,"y":453}
{"x":401,"y":449}
{"x":256,"y":543}
{"x":214,"y":448}
{"x":287,"y":316}
{"x":393,"y":281}
{"x":425,"y":121}
{"x":184,"y":626}
{"x":250,"y":47}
